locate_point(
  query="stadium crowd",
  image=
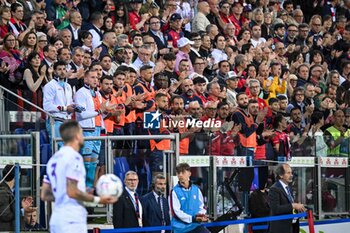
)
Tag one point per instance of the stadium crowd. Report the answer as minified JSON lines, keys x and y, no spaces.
{"x":273,"y":76}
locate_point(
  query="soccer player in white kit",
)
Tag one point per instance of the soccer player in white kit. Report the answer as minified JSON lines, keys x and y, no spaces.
{"x":64,"y":183}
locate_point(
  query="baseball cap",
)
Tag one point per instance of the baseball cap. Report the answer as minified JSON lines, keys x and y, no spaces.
{"x":293,"y":77}
{"x":175,"y":16}
{"x":231,"y":75}
{"x":184,"y":41}
{"x":238,"y":2}
{"x":117,"y":49}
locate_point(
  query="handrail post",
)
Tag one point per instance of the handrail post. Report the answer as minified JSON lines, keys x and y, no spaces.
{"x":17,"y":202}
{"x":2,"y":111}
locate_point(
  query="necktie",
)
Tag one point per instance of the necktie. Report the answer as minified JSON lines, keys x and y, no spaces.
{"x":137,"y":205}
{"x":160,"y":203}
{"x":290,"y":196}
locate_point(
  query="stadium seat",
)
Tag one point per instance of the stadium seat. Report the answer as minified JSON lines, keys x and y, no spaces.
{"x":121,"y":166}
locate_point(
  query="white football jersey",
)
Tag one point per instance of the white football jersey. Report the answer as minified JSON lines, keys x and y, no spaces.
{"x":66,"y":163}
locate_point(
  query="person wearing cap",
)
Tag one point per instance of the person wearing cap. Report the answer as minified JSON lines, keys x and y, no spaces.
{"x":231,"y":86}
{"x":175,"y":32}
{"x":118,"y":56}
{"x":108,"y":43}
{"x":200,"y":21}
{"x":184,"y":46}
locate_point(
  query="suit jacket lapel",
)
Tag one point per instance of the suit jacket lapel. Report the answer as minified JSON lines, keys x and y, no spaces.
{"x":283,"y":190}
{"x":131,"y":203}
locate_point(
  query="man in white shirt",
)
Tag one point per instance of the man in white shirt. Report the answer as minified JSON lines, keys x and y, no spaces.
{"x":96,"y":24}
{"x":58,"y":99}
{"x":91,"y":122}
{"x":65,"y":184}
{"x":256,"y":36}
{"x":143,"y":58}
{"x":76,"y":21}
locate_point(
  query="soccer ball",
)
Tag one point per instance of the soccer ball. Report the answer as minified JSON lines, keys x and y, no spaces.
{"x":109,"y":185}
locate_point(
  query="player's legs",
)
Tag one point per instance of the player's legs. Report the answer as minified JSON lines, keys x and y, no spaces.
{"x":87,"y":154}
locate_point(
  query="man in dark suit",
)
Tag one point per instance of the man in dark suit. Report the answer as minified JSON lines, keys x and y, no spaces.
{"x":158,"y":36}
{"x":74,"y":27}
{"x":155,"y":205}
{"x":127,"y":212}
{"x":282,"y":201}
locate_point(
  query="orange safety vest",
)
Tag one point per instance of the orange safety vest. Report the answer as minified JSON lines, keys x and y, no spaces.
{"x":250,"y":141}
{"x":184,"y":143}
{"x":97,"y":103}
{"x":131,"y":117}
{"x":111,"y":120}
{"x":119,"y":100}
{"x":150,"y":94}
{"x":161,"y":145}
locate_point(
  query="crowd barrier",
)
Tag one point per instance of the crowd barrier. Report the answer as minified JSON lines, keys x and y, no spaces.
{"x":218,"y":224}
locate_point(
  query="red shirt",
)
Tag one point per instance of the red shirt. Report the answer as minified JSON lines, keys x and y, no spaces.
{"x":282,"y":139}
{"x":134,"y":19}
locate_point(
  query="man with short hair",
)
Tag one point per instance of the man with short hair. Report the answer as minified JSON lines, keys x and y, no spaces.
{"x":256,"y":36}
{"x":200,"y":21}
{"x":188,"y":213}
{"x":157,"y":34}
{"x":175,"y":32}
{"x":108,"y":44}
{"x":282,"y":202}
{"x":64,"y":183}
{"x":188,"y":93}
{"x":143,"y":58}
{"x":96,"y":20}
{"x":74,"y":27}
{"x":128,"y":211}
{"x":155,"y":204}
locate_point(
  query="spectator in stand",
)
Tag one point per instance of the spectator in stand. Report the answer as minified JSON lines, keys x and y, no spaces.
{"x":175,"y":32}
{"x":281,"y":140}
{"x":5,"y":16}
{"x":184,"y":46}
{"x":74,"y":27}
{"x":30,"y":222}
{"x":137,"y":21}
{"x":200,"y":21}
{"x":96,"y":23}
{"x":188,"y":93}
{"x":143,"y":58}
{"x":11,"y":56}
{"x":337,"y":137}
{"x":218,"y":54}
{"x":58,"y":13}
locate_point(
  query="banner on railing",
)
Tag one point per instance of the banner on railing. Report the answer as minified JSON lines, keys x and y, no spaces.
{"x":24,"y":116}
{"x":302,"y":162}
{"x":339,"y":162}
{"x":196,"y":161}
{"x":23,"y":161}
{"x":230,"y":161}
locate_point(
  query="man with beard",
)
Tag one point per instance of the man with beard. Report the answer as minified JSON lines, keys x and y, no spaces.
{"x":247,"y":134}
{"x":297,"y":132}
{"x":188,"y":93}
{"x":111,"y":120}
{"x":223,"y":142}
{"x":57,"y":99}
{"x":158,"y":146}
{"x":177,"y":106}
{"x":64,"y":183}
{"x":155,"y":204}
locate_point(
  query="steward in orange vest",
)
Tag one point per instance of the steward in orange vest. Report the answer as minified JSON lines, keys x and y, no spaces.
{"x":158,"y":146}
{"x":247,"y":134}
